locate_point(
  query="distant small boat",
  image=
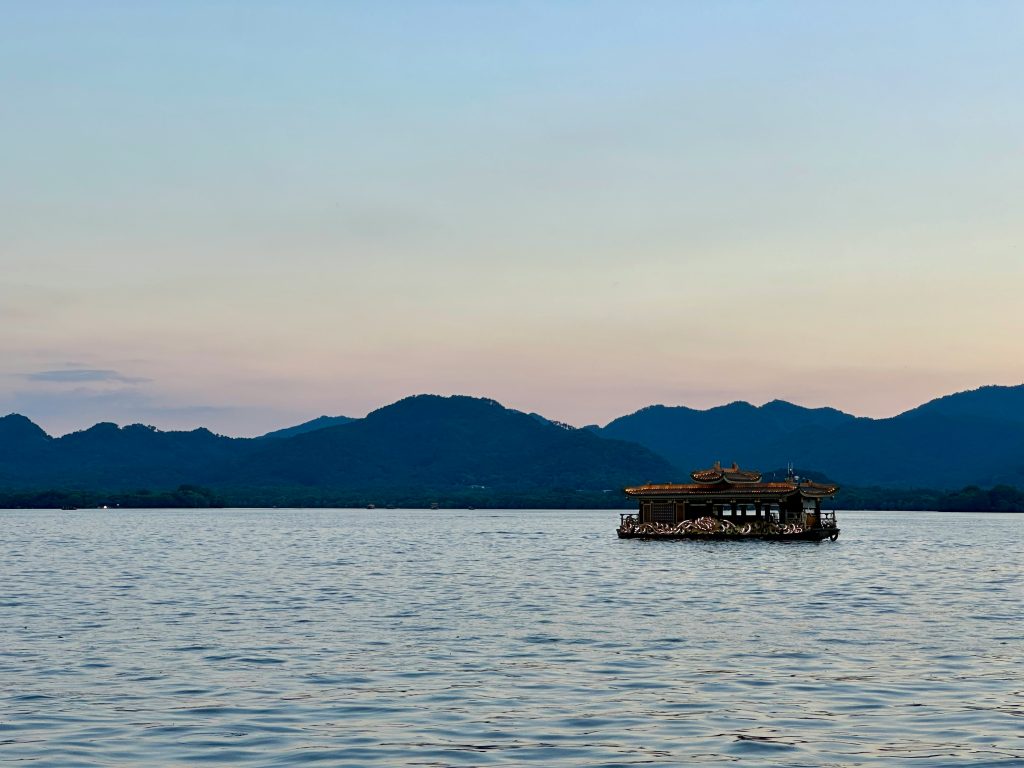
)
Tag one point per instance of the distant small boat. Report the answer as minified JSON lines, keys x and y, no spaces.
{"x":371,"y":506}
{"x":69,"y":509}
{"x":434,"y":505}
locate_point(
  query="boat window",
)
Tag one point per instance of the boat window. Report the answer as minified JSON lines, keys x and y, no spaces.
{"x":663,"y":512}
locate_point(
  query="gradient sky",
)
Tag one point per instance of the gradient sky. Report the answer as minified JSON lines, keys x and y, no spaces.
{"x":246,"y":214}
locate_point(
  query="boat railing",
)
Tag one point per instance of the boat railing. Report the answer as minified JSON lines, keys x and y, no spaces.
{"x":625,"y":517}
{"x":828,"y":520}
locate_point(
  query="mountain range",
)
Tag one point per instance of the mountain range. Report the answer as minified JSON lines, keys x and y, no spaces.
{"x":974,"y":437}
{"x":421,"y":443}
{"x":433,"y":444}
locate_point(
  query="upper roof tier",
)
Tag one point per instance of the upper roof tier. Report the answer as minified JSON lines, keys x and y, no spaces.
{"x":734,"y":483}
{"x":731,"y":474}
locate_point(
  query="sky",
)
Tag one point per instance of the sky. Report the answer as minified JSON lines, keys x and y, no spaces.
{"x":243,"y":215}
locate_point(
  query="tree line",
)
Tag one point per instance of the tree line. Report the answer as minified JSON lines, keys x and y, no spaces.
{"x":1001,"y":498}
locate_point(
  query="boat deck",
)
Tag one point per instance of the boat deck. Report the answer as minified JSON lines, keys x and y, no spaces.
{"x":814,"y":534}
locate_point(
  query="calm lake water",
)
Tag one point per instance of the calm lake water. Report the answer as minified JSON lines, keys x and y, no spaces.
{"x":340,"y":637}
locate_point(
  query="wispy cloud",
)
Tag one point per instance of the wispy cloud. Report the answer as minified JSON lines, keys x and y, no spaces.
{"x":83,"y":375}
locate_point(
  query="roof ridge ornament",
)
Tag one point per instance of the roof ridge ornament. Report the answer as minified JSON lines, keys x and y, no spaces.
{"x":731,"y":475}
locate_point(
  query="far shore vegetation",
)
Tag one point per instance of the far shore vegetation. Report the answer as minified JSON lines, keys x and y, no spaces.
{"x":1001,"y":498}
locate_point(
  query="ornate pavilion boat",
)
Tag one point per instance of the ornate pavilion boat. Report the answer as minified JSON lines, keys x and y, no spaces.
{"x":729,"y":503}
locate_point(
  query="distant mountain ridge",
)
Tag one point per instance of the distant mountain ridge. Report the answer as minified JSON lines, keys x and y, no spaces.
{"x":107,"y":456}
{"x":420,"y":442}
{"x":19,"y":434}
{"x":973,"y":437}
{"x":320,"y":422}
{"x":738,"y":431}
{"x":428,"y":441}
{"x":993,"y":403}
{"x":451,"y":443}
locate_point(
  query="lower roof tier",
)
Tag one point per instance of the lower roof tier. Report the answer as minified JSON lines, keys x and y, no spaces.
{"x":747,"y":491}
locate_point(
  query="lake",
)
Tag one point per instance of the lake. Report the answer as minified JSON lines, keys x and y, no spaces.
{"x":440,"y":638}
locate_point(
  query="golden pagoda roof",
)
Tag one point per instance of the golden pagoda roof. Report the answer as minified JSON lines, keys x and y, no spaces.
{"x":717,"y":474}
{"x":733,"y":483}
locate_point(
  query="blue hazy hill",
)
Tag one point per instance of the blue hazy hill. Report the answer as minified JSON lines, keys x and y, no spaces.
{"x":428,"y":441}
{"x":320,"y":422}
{"x":739,"y":431}
{"x":431,"y":442}
{"x":974,"y":437}
{"x":108,"y":456}
{"x":19,"y":436}
{"x":422,"y":442}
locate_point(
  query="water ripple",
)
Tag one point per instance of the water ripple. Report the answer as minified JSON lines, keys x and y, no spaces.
{"x":354,"y":638}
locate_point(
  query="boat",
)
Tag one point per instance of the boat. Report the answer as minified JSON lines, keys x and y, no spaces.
{"x":729,"y":504}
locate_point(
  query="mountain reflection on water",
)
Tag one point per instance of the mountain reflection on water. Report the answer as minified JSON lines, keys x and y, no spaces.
{"x":439,"y":638}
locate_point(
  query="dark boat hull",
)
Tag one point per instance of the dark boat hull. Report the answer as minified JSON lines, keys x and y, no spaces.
{"x":815,"y":534}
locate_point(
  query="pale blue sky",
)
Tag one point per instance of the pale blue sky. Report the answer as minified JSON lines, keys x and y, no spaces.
{"x":247,"y":214}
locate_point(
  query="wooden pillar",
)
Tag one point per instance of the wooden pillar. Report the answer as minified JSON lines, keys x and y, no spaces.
{"x":680,"y":511}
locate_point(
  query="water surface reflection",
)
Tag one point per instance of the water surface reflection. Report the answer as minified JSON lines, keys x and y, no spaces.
{"x":504,"y":638}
